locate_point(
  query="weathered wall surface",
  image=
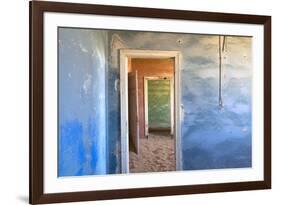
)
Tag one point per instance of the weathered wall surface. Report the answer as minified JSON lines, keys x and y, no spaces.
{"x":212,"y":138}
{"x":152,"y":68}
{"x":82,"y":102}
{"x":89,"y":100}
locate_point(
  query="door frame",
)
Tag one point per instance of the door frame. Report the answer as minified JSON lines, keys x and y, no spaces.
{"x":172,"y":97}
{"x":125,"y":55}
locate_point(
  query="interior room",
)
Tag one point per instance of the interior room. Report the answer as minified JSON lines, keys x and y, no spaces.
{"x":212,"y":78}
{"x":151,"y":140}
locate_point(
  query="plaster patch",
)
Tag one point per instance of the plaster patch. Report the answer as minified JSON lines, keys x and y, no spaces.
{"x":87,"y":84}
{"x":83,"y":49}
{"x":116,"y":44}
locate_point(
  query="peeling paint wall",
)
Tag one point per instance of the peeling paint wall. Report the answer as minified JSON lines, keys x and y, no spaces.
{"x":212,"y":138}
{"x":82,"y":102}
{"x":113,"y":77}
{"x":89,"y":99}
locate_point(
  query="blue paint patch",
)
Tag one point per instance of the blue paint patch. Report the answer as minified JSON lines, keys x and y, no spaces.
{"x":114,"y":142}
{"x":93,"y":134}
{"x":113,"y":119}
{"x":71,"y":150}
{"x":215,"y":138}
{"x":199,"y":60}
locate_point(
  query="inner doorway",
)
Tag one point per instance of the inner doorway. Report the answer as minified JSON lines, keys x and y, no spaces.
{"x":151,"y":144}
{"x":149,"y":149}
{"x":159,"y":104}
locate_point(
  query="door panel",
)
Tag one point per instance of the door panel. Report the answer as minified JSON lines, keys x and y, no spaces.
{"x":133,"y":111}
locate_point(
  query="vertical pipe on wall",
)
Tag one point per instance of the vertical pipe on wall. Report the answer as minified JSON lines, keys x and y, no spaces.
{"x":220,"y":96}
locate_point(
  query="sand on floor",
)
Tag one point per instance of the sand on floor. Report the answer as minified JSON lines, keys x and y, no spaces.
{"x":156,"y":154}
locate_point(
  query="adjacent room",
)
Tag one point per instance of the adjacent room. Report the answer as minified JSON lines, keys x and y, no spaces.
{"x":151,"y":115}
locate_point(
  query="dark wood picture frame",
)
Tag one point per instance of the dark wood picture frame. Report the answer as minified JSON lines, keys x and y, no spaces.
{"x":37,"y":8}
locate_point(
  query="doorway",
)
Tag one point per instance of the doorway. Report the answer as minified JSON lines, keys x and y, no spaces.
{"x":131,"y":140}
{"x":156,"y":151}
{"x":159,"y":104}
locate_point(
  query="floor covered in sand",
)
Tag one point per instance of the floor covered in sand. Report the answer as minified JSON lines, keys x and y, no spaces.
{"x":156,"y":154}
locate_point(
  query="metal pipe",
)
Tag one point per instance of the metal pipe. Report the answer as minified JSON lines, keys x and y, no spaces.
{"x":220,"y":96}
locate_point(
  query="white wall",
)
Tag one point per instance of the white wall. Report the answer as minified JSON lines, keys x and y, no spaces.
{"x":14,"y":101}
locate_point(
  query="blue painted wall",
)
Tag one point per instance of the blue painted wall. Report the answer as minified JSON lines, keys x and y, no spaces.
{"x":82,"y":102}
{"x":89,"y":106}
{"x":212,"y":138}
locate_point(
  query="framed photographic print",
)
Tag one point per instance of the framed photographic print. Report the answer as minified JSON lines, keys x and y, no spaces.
{"x":139,"y":102}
